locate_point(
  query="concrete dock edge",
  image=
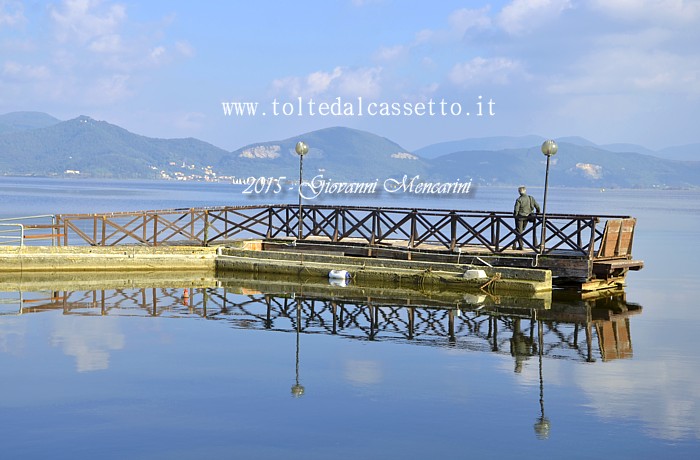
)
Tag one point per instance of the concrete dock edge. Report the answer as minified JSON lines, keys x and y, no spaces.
{"x":221,"y":259}
{"x":367,"y":270}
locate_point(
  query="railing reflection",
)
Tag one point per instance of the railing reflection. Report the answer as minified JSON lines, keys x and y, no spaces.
{"x":582,"y":329}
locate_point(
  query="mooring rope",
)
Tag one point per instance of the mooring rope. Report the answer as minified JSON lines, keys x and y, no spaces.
{"x":427,"y":272}
{"x":488,"y":286}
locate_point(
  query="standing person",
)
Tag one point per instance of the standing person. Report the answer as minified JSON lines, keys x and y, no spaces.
{"x":525,"y":210}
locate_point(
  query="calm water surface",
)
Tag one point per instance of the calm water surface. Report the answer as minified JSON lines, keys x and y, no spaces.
{"x":132,"y":369}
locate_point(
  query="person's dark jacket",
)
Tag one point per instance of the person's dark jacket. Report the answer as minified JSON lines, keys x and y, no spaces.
{"x":525,"y":205}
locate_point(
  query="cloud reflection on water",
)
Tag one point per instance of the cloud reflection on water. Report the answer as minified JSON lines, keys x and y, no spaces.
{"x":90,"y":346}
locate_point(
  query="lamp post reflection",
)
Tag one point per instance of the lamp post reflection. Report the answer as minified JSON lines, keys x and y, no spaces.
{"x":542,"y":424}
{"x":297,"y":388}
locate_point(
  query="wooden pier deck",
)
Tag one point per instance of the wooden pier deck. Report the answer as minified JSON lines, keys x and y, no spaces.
{"x":593,"y":252}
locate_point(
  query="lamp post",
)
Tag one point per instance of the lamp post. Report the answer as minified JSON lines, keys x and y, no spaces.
{"x":549,"y":149}
{"x":301,"y":149}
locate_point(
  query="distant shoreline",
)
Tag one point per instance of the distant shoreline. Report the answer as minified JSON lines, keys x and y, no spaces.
{"x":228,"y":182}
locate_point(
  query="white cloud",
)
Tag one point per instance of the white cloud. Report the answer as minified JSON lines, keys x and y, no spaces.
{"x":10,"y":46}
{"x":465,"y":19}
{"x":157,"y":54}
{"x":480,"y":70}
{"x":361,"y":82}
{"x":623,"y":70}
{"x":653,"y":11}
{"x":108,"y":43}
{"x":185,"y":48}
{"x":459,"y":22}
{"x":104,"y":29}
{"x":16,"y":71}
{"x":318,"y":82}
{"x":424,"y":36}
{"x":289,"y":85}
{"x":92,"y":52}
{"x":637,"y":52}
{"x":108,"y":89}
{"x":522,"y":16}
{"x":341,"y":81}
{"x":11,"y":13}
{"x":463,"y":29}
{"x":390,"y":53}
{"x":427,"y":62}
{"x":86,"y":20}
{"x":431,"y":88}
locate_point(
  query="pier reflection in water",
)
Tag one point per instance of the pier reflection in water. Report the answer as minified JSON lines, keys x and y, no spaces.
{"x":556,"y":325}
{"x":559,"y":325}
{"x":562,"y":326}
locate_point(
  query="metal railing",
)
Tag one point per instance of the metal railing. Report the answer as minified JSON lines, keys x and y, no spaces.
{"x":437,"y":229}
{"x":12,"y":234}
{"x":21,"y":230}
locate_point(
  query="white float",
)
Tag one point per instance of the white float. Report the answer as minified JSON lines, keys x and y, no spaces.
{"x":474,"y":274}
{"x":339,"y":274}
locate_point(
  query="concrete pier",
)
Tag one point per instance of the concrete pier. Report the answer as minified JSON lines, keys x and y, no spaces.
{"x":247,"y":257}
{"x":376,"y":271}
{"x":111,"y":258}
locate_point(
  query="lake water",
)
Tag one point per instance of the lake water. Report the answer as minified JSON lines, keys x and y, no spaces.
{"x":133,"y":369}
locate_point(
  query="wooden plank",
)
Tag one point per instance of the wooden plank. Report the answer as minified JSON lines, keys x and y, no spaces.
{"x":619,"y":263}
{"x":617,"y":238}
{"x":607,"y":245}
{"x":626,"y":236}
{"x":46,"y":236}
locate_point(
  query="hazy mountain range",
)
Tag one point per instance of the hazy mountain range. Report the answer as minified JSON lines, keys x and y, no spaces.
{"x":37,"y":144}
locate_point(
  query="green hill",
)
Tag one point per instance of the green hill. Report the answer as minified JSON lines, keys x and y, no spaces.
{"x":37,"y":144}
{"x":22,"y":121}
{"x":336,"y":153}
{"x":573,"y":166}
{"x":478,"y":144}
{"x":91,"y":148}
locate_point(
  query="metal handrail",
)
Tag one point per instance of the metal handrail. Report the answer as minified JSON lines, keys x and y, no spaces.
{"x":10,"y":239}
{"x":442,"y":228}
{"x":25,"y":227}
{"x":40,"y":216}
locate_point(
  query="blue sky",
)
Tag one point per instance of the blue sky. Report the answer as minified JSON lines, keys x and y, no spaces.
{"x":608,"y":70}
